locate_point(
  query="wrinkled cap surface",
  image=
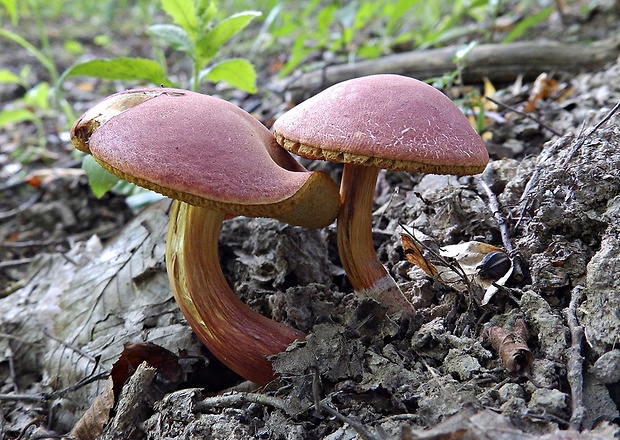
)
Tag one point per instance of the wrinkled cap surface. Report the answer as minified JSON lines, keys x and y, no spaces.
{"x":389,"y":121}
{"x":195,"y":148}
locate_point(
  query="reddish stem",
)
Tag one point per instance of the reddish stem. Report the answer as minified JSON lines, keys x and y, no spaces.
{"x":355,"y":245}
{"x":238,"y":336}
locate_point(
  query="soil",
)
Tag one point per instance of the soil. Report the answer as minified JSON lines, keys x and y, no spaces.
{"x":532,"y":356}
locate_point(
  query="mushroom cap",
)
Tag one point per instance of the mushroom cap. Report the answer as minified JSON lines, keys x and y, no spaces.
{"x":204,"y":151}
{"x":388,"y":121}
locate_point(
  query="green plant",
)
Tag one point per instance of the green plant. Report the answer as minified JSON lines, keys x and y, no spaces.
{"x":40,"y":94}
{"x":30,"y":107}
{"x":196,"y":35}
{"x":368,"y":29}
{"x":371,"y":28}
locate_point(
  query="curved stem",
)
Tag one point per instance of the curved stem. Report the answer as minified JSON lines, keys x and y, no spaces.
{"x":355,"y":245}
{"x":233,"y":332}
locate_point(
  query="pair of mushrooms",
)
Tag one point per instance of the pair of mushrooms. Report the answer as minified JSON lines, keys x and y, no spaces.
{"x":216,"y":160}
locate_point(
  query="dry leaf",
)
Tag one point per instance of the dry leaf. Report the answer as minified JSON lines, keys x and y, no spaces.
{"x":458,"y":265}
{"x":543,"y":88}
{"x":512,"y":347}
{"x":166,"y":363}
{"x":413,"y":253}
{"x":91,"y":425}
{"x":119,"y":294}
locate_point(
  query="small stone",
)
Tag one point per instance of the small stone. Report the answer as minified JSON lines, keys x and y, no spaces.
{"x":461,"y":364}
{"x":549,"y":400}
{"x":543,"y":373}
{"x":607,"y":368}
{"x":510,"y":391}
{"x":514,"y":405}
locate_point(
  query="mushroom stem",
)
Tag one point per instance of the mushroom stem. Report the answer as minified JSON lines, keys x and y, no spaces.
{"x":355,"y":245}
{"x":233,"y":332}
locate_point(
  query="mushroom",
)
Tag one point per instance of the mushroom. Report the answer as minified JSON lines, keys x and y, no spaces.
{"x":215,"y":160}
{"x":374,"y":122}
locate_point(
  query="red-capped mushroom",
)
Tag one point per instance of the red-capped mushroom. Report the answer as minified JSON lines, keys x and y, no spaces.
{"x":374,"y":122}
{"x":216,"y":160}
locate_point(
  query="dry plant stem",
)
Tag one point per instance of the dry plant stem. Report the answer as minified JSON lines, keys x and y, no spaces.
{"x":355,"y":245}
{"x":233,"y":332}
{"x":241,"y":398}
{"x":526,"y":115}
{"x":575,"y":360}
{"x":497,"y":213}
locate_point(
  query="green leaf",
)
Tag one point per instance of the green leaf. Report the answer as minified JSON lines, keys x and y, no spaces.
{"x":124,"y":69}
{"x":183,"y":13}
{"x":8,"y":77}
{"x":40,"y":56}
{"x":100,"y":180}
{"x":14,"y":116}
{"x":528,"y":23}
{"x":11,"y":9}
{"x":173,"y":36}
{"x":38,"y":96}
{"x":370,"y":50}
{"x":237,"y":72}
{"x":205,"y":10}
{"x":297,"y":54}
{"x":210,"y":43}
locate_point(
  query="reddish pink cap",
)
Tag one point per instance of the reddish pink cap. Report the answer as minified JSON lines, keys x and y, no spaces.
{"x":389,"y":121}
{"x":198,"y":149}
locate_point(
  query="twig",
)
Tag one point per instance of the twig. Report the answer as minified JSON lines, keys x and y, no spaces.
{"x":102,"y":232}
{"x":357,"y":426}
{"x":13,"y":263}
{"x":239,"y":398}
{"x":582,"y":137}
{"x":499,"y":217}
{"x":575,"y":360}
{"x":527,"y":115}
{"x":24,"y":206}
{"x":44,"y":397}
{"x":323,"y":405}
{"x":22,"y":433}
{"x":34,"y":398}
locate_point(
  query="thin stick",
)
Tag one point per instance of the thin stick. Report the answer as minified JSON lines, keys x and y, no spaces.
{"x":239,"y":398}
{"x":497,"y":213}
{"x":582,"y":138}
{"x":322,"y":405}
{"x":527,"y":115}
{"x":575,"y":360}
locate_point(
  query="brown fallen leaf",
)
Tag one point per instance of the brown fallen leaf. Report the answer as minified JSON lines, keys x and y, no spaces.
{"x":91,"y":425}
{"x":460,"y":265}
{"x":166,"y":363}
{"x":512,"y":347}
{"x":544,"y":87}
{"x":413,"y":254}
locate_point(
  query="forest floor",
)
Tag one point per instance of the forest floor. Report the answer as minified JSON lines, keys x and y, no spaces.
{"x":533,"y":356}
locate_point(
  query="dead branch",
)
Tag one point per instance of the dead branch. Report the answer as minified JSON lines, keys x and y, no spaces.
{"x":498,"y":62}
{"x":525,"y":115}
{"x":323,"y":405}
{"x":494,"y":205}
{"x":575,"y":360}
{"x":240,"y":398}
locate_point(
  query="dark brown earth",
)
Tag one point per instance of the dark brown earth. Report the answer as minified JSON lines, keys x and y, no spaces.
{"x":80,"y":277}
